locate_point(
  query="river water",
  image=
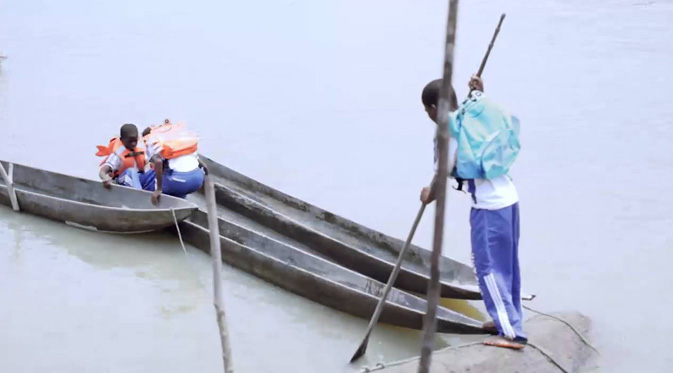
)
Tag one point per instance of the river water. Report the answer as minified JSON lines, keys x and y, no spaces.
{"x":322,"y":100}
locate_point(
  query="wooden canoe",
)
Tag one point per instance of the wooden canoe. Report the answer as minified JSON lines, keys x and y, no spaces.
{"x":86,"y":204}
{"x":296,"y":269}
{"x":347,"y":243}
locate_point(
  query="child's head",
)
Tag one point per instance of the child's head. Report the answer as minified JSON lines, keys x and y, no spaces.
{"x":430,"y":98}
{"x":128,"y":135}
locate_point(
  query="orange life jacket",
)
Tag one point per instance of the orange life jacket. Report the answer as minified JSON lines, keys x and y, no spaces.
{"x":130,"y":158}
{"x":175,"y":139}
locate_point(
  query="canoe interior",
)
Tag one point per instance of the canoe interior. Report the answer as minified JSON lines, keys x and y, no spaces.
{"x":86,"y":191}
{"x":457,"y":275}
{"x":88,"y":205}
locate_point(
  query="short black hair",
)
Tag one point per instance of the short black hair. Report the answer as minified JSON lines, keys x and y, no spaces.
{"x":128,"y":130}
{"x":430,"y":95}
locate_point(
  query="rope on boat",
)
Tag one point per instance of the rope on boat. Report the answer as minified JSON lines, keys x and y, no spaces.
{"x":548,"y":356}
{"x":381,"y":366}
{"x":584,"y":340}
{"x":177,"y":227}
{"x":184,"y":250}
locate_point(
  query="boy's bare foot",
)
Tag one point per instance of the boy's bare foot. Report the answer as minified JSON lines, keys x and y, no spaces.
{"x":500,"y":341}
{"x":489,"y":326}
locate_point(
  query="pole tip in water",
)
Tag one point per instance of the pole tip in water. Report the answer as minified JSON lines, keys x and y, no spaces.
{"x":359,"y":353}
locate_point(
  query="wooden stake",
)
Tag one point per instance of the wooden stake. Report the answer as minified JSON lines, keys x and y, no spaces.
{"x":8,"y":177}
{"x":430,"y":321}
{"x":216,"y":253}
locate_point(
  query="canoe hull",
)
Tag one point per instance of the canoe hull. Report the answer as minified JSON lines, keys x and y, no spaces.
{"x":86,"y":204}
{"x":91,"y":217}
{"x":409,"y":278}
{"x":317,"y":279}
{"x":352,"y":245}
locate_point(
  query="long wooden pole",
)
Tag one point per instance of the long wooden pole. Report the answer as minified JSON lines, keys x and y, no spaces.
{"x":362,"y":349}
{"x":443,"y":133}
{"x":216,"y":253}
{"x":490,"y":46}
{"x":430,"y":321}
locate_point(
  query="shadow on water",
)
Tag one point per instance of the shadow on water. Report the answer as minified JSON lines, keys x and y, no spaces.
{"x":467,"y":308}
{"x":462,"y":306}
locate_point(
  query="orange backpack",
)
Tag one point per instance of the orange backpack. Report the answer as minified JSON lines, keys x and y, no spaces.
{"x":175,"y":139}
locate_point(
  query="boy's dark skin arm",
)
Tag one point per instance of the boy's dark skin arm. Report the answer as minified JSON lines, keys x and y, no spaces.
{"x":428,"y":192}
{"x":476,"y":84}
{"x":104,"y":175}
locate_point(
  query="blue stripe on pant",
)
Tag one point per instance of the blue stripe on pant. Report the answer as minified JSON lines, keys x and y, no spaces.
{"x":495,"y":251}
{"x":180,"y":184}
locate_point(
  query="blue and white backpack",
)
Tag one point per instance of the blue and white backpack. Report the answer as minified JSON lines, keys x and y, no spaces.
{"x":487,"y":136}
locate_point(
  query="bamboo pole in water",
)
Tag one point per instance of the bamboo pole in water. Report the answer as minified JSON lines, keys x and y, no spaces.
{"x":216,"y":253}
{"x":389,"y":285}
{"x":430,"y":321}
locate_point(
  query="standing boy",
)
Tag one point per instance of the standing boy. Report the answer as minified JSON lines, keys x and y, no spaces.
{"x":482,"y":146}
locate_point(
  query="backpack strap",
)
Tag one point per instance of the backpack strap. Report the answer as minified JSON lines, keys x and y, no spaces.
{"x":460,"y":185}
{"x":134,"y":154}
{"x":461,"y":181}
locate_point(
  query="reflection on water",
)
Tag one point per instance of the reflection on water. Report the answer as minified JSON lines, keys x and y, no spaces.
{"x":464,"y":307}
